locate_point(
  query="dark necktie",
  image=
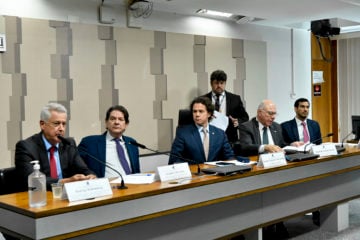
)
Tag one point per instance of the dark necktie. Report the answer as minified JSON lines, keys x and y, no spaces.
{"x":53,"y":170}
{"x":305,"y":132}
{"x":265,"y":136}
{"x":217,"y":102}
{"x":122,"y":157}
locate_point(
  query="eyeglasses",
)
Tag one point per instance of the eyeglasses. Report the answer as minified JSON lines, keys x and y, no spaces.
{"x":57,"y":124}
{"x":270,"y":113}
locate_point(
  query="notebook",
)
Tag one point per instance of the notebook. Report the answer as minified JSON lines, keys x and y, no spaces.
{"x":300,"y":156}
{"x":227,"y":169}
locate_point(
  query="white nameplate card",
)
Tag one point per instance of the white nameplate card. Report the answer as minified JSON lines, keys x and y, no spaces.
{"x":324,"y":150}
{"x":269,"y":160}
{"x":174,"y":171}
{"x":88,"y":189}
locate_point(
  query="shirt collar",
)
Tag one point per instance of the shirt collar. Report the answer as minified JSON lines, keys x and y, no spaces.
{"x":48,"y":145}
{"x":110,"y":138}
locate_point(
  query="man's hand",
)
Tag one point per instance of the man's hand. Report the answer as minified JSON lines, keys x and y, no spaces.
{"x":235,"y":121}
{"x":272,"y":148}
{"x":297,"y":144}
{"x":77,"y":177}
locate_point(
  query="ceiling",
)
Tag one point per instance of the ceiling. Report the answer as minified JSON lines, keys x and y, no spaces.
{"x":277,"y":13}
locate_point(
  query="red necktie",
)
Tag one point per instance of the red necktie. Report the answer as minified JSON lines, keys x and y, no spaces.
{"x":53,"y":170}
{"x":305,"y":132}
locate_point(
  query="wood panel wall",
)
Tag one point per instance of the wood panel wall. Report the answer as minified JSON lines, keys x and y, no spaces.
{"x":325,"y":107}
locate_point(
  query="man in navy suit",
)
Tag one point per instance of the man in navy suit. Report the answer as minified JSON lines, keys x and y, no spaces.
{"x":228,"y":104}
{"x":200,"y":142}
{"x":104,"y":147}
{"x":293,"y":130}
{"x":252,"y":132}
{"x":68,"y":165}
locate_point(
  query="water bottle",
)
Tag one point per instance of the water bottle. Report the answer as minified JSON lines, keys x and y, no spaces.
{"x":37,"y":186}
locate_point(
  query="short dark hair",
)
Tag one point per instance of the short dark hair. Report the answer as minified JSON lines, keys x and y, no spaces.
{"x":118,"y":108}
{"x":218,"y":75}
{"x":206,"y":102}
{"x":299,"y":100}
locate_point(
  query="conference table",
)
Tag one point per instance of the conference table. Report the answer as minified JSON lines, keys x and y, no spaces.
{"x":201,"y":207}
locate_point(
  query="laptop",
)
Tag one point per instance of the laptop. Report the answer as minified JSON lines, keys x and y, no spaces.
{"x":227,"y":169}
{"x":300,"y":156}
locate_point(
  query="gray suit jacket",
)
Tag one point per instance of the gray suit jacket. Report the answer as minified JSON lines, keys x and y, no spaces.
{"x":250,"y":139}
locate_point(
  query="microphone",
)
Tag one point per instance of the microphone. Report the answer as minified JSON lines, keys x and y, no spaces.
{"x":168,"y":154}
{"x":342,"y":141}
{"x":67,"y":142}
{"x":327,"y":135}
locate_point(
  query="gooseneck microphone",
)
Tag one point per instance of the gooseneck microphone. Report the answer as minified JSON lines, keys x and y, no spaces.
{"x":342,"y":141}
{"x":316,"y":140}
{"x":67,"y":142}
{"x":168,"y":154}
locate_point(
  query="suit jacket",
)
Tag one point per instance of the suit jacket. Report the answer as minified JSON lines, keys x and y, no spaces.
{"x":235,"y":108}
{"x":291,"y":133}
{"x":33,"y":148}
{"x":250,"y":139}
{"x":94,"y":146}
{"x":188,"y":145}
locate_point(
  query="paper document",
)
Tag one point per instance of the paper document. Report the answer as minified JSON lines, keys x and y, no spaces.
{"x":300,"y":148}
{"x":137,"y":178}
{"x":220,"y":120}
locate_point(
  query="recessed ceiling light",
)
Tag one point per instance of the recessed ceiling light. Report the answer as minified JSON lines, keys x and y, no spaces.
{"x":214,"y":13}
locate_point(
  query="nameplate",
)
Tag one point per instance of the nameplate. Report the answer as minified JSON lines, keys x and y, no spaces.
{"x":324,"y":150}
{"x":269,"y":160}
{"x":87,"y":189}
{"x":174,"y":171}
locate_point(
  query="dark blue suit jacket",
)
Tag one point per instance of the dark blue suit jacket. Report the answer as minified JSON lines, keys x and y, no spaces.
{"x":94,"y":146}
{"x":291,"y":134}
{"x":188,"y":144}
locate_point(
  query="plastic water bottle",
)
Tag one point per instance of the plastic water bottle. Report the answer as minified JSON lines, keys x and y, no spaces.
{"x":37,"y":186}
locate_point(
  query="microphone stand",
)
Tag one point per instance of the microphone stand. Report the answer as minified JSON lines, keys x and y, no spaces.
{"x":67,"y":142}
{"x":342,"y":142}
{"x":328,"y":135}
{"x":198,"y":173}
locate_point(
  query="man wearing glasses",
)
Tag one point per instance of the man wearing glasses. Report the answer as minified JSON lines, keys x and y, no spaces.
{"x":261,"y":134}
{"x":58,"y":161}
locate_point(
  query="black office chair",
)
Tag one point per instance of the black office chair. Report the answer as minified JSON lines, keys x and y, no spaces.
{"x":185,"y":117}
{"x":10,"y":181}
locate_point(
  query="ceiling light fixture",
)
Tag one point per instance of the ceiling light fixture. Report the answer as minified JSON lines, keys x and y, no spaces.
{"x":350,"y":29}
{"x":214,"y":13}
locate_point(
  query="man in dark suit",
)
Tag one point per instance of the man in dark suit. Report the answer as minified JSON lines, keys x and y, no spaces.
{"x":67,"y":165}
{"x":104,"y":148}
{"x":295,"y":130}
{"x":199,"y":141}
{"x":263,"y":135}
{"x":301,"y":130}
{"x":252,"y":133}
{"x":227,"y":103}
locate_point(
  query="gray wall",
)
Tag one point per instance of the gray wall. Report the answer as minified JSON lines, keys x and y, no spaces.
{"x":90,"y":67}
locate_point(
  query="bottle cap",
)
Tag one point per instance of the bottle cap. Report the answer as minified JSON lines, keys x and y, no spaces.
{"x":36,"y":164}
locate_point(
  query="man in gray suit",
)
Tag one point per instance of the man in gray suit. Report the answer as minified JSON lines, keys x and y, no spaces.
{"x":261,"y":134}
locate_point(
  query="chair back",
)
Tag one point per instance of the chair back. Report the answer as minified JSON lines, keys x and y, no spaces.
{"x":185,"y":117}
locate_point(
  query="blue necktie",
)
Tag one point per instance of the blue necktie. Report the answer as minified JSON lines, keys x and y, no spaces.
{"x":122,"y":157}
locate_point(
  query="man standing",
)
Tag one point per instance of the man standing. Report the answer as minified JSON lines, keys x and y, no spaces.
{"x":261,"y":134}
{"x":301,"y":130}
{"x":58,"y":161}
{"x":227,"y":103}
{"x":200,"y":142}
{"x":112,"y":148}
